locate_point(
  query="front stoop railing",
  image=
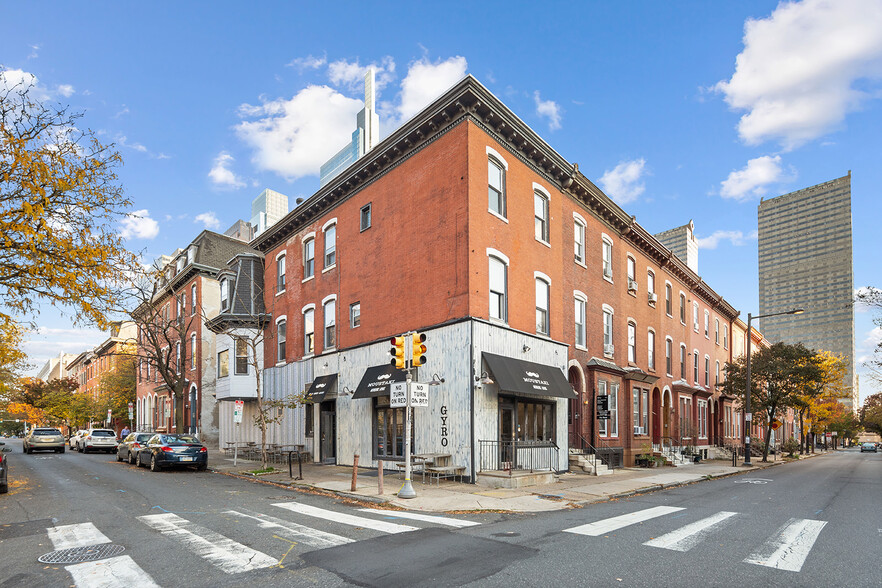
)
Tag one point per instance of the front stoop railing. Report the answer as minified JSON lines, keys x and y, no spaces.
{"x":529,"y":456}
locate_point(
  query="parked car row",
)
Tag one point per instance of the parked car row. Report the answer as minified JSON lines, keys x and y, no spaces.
{"x":86,"y":440}
{"x":159,"y":451}
{"x":4,"y":468}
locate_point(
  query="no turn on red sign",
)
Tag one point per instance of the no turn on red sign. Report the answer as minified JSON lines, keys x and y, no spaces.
{"x":238,"y":408}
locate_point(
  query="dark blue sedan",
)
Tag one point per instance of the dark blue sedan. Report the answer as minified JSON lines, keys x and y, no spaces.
{"x":163,"y":451}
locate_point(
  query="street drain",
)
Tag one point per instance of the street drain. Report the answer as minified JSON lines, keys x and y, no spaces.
{"x":81,"y":554}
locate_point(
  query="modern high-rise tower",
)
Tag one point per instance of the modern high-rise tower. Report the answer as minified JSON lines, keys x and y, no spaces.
{"x":805,"y":261}
{"x":365,"y":136}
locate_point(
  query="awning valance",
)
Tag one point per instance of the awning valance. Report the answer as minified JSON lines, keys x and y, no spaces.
{"x":525,"y":377}
{"x":323,"y":388}
{"x":376,"y":380}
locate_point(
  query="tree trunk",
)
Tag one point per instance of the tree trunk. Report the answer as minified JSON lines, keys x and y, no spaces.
{"x":768,"y":436}
{"x":802,"y":436}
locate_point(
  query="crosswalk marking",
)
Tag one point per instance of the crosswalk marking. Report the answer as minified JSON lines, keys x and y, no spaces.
{"x":346,"y":519}
{"x":226,"y":554}
{"x":115,"y":572}
{"x":78,"y":535}
{"x":300,"y":533}
{"x":614,"y":523}
{"x":685,"y":538}
{"x":422,"y":517}
{"x":788,"y":548}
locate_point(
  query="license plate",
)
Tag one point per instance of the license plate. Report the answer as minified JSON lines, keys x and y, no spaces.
{"x":186,"y":459}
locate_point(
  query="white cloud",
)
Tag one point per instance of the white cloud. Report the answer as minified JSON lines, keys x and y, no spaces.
{"x":296,"y":136}
{"x":753,"y":180}
{"x":221,"y":175}
{"x":548,"y":109}
{"x":45,"y":343}
{"x":139,"y":225}
{"x":308,"y":62}
{"x":623,"y":183}
{"x":737,"y":238}
{"x":65,"y":90}
{"x":425,"y":81}
{"x":874,"y":338}
{"x":800,"y":69}
{"x":20,"y":80}
{"x":35,"y":52}
{"x":350,"y":74}
{"x":208,"y":219}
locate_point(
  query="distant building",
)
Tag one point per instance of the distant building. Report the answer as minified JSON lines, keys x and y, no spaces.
{"x":805,"y":261}
{"x":364,"y":137}
{"x":681,"y":241}
{"x":56,"y":367}
{"x":240,"y":230}
{"x":266,"y":209}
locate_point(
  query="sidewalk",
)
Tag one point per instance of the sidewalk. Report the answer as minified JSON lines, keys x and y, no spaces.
{"x":571,"y":490}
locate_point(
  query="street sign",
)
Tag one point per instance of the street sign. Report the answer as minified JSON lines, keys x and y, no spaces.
{"x":602,"y":407}
{"x":776,"y":424}
{"x":237,"y":411}
{"x":398,"y":394}
{"x":108,"y":414}
{"x":419,"y":394}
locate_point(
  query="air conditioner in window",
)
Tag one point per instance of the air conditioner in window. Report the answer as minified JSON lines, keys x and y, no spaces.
{"x":608,"y":349}
{"x":639,"y":431}
{"x":653,"y":297}
{"x":632,"y":285}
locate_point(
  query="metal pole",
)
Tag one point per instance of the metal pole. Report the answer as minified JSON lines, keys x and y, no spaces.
{"x":748,"y":418}
{"x":407,"y":490}
{"x":236,"y":446}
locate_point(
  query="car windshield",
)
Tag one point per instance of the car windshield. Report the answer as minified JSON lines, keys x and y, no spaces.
{"x":103,"y":434}
{"x":142,"y":437}
{"x":180,"y":439}
{"x":47,"y":432}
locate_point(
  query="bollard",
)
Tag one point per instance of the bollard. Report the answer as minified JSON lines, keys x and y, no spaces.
{"x":354,"y":471}
{"x":380,"y":477}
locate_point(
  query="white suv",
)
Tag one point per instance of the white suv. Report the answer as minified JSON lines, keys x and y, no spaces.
{"x":97,"y":440}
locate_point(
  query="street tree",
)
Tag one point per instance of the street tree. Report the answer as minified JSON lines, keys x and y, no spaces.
{"x":779,"y":374}
{"x":60,"y":202}
{"x":871,"y":298}
{"x":118,"y":386}
{"x":871,"y":413}
{"x":812,"y":403}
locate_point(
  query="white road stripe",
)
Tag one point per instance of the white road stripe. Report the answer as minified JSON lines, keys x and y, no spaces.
{"x":614,"y":523}
{"x":226,"y":554}
{"x":421,"y":517}
{"x":789,"y":547}
{"x":346,"y":519}
{"x":685,"y":538}
{"x":115,"y":572}
{"x":79,"y":535}
{"x":300,"y":533}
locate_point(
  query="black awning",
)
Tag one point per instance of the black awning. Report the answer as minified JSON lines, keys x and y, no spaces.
{"x":322,"y":387}
{"x":376,"y":380}
{"x":525,"y":377}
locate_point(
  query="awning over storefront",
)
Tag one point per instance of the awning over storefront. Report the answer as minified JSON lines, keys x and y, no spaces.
{"x":323,"y":388}
{"x":525,"y":377}
{"x":376,"y":380}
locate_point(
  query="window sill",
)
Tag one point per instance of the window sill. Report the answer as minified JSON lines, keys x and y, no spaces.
{"x":608,"y":278}
{"x":280,"y":363}
{"x":280,"y":292}
{"x":546,"y":243}
{"x":304,"y":280}
{"x":580,"y":263}
{"x":652,"y":304}
{"x":608,"y":355}
{"x":632,"y":293}
{"x":581,"y":347}
{"x":497,"y":215}
{"x":329,"y":268}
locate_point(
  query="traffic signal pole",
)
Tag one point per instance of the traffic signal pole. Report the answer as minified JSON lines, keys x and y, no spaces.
{"x":408,"y":357}
{"x":407,"y":490}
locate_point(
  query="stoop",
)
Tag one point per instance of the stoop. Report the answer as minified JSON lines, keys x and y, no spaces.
{"x":515,"y":479}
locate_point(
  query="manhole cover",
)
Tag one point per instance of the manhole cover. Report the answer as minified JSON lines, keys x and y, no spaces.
{"x":81,"y":554}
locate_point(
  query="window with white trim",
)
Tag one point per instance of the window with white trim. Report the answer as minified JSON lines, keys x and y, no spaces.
{"x":330,"y":316}
{"x":725,"y":336}
{"x":669,"y":303}
{"x":193,"y":351}
{"x":606,"y":257}
{"x":607,"y":331}
{"x":706,"y":324}
{"x":309,"y":331}
{"x":632,"y":274}
{"x":579,"y":240}
{"x":702,"y":419}
{"x":540,"y":212}
{"x":496,"y":186}
{"x":650,"y":349}
{"x":669,"y":356}
{"x":707,"y":370}
{"x":581,"y":337}
{"x":331,"y":246}
{"x":225,"y":294}
{"x":281,"y":336}
{"x":308,"y":258}
{"x":716,"y":330}
{"x":695,"y":316}
{"x":542,"y":296}
{"x":192,"y":299}
{"x":498,"y":289}
{"x":682,"y":362}
{"x":280,"y":273}
{"x":365,"y":217}
{"x":354,"y":315}
{"x":223,"y":363}
{"x":695,"y":366}
{"x":650,"y":285}
{"x":241,"y":346}
{"x":632,"y":343}
{"x":717,"y":373}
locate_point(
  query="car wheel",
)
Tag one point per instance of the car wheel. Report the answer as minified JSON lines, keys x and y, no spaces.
{"x":138,"y":460}
{"x":154,"y":467}
{"x":118,"y":456}
{"x":4,"y":489}
{"x":131,"y":458}
{"x":24,"y":449}
{"x":29,"y":450}
{"x":201,"y":468}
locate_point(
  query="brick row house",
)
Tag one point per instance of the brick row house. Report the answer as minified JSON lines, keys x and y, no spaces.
{"x":537,"y":292}
{"x":186,"y":295}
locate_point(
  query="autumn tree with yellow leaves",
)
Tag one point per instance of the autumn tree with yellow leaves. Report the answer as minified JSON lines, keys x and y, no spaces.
{"x":60,"y":201}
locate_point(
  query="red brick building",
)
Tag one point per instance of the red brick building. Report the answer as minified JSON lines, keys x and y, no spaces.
{"x":465,"y":224}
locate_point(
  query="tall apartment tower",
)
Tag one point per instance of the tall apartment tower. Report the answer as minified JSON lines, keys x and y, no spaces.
{"x":266,"y":209}
{"x":805,"y":261}
{"x":681,"y":241}
{"x":365,"y":136}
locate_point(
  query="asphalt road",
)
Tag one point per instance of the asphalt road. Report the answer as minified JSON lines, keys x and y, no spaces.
{"x":812,"y":523}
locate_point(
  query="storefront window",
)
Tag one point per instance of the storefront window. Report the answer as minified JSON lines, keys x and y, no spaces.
{"x":389,"y":430}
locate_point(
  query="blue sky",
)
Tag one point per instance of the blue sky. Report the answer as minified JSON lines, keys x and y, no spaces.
{"x":679,"y":111}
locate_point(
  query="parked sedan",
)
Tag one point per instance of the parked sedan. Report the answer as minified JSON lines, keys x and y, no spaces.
{"x":4,"y":468}
{"x":129,"y":447}
{"x":164,"y":451}
{"x":43,"y":439}
{"x":74,"y":441}
{"x":868,"y":447}
{"x":98,"y":440}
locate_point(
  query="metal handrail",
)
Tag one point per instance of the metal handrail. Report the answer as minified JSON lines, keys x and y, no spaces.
{"x":512,"y":455}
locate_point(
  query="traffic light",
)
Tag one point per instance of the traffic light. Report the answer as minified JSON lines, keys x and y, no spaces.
{"x":397,"y":351}
{"x":419,"y":349}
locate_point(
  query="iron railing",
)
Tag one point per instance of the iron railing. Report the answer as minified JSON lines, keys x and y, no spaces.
{"x":611,"y":457}
{"x":529,"y":456}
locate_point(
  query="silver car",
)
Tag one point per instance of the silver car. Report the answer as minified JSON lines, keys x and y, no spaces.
{"x":74,"y":441}
{"x":98,"y":440}
{"x":43,"y":439}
